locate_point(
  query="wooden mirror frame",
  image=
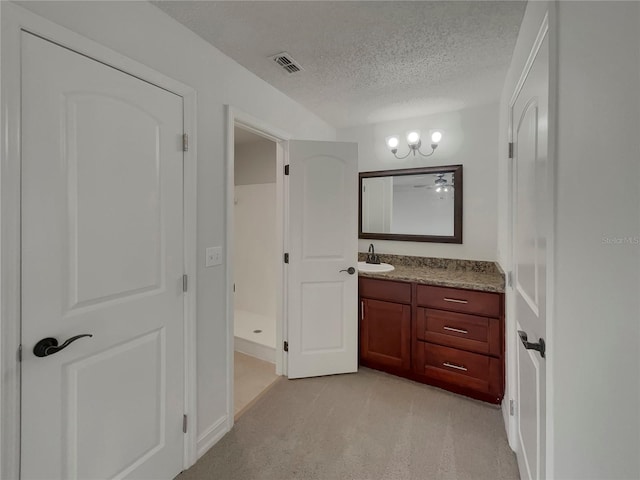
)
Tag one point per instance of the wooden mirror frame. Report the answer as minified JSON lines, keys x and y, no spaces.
{"x":457,"y":205}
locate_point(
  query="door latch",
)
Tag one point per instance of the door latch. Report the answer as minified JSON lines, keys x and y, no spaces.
{"x":49,"y":346}
{"x":540,"y":346}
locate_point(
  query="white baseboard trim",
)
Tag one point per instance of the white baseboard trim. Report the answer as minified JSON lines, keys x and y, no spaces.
{"x":242,"y":345}
{"x":211,"y":435}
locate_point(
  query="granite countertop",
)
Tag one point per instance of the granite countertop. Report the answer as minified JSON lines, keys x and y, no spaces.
{"x":443,"y":272}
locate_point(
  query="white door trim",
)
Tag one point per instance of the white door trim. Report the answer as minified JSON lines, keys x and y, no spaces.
{"x":547,"y":27}
{"x":14,"y":20}
{"x":235,"y":117}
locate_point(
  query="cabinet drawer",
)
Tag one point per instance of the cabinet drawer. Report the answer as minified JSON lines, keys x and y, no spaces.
{"x":458,"y":300}
{"x":459,"y":330}
{"x":388,"y":290}
{"x":464,"y":369}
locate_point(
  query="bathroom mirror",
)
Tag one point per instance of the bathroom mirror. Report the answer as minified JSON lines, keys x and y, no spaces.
{"x":413,"y":204}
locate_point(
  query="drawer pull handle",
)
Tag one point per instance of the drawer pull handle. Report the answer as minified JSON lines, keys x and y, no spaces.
{"x":453,"y":365}
{"x":457,"y":330}
{"x":454,"y":300}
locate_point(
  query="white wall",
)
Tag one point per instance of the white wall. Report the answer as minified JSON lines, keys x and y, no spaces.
{"x":593,"y":360}
{"x":597,"y":311}
{"x":469,"y":139}
{"x":142,"y":32}
{"x":422,"y":211}
{"x":255,"y":162}
{"x":255,"y":251}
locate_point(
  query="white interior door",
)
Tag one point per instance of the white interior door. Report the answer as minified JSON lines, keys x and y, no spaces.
{"x":102,"y":254}
{"x":530,"y":220}
{"x":323,"y":230}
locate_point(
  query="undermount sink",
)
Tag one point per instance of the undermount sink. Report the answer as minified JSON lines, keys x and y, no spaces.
{"x":375,"y":268}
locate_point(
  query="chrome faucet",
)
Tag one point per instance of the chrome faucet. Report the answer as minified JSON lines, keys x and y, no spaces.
{"x":371,"y":255}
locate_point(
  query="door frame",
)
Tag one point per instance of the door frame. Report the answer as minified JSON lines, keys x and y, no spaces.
{"x":16,"y":19}
{"x":237,"y":117}
{"x":547,"y":28}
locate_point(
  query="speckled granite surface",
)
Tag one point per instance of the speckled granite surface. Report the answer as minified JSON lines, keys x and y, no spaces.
{"x":444,"y":272}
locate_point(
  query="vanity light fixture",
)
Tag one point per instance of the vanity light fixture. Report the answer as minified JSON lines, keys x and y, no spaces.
{"x":414,"y":143}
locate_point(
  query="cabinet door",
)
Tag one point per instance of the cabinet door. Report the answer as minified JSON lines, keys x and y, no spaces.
{"x":385,"y":334}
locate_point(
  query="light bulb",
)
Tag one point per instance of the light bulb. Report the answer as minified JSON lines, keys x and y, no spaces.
{"x":413,"y":138}
{"x":439,"y":189}
{"x":393,"y":142}
{"x":436,"y":137}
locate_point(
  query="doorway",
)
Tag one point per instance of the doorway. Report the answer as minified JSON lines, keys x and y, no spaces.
{"x":255,"y":266}
{"x":308,"y":173}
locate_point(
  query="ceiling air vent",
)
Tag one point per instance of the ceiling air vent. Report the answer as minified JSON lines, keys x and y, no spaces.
{"x":285,"y":61}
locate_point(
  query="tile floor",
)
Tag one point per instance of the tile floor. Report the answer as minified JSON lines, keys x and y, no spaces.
{"x":252,"y":377}
{"x":246,"y":323}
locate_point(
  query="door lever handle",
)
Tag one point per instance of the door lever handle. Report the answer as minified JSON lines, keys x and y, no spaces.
{"x":349,"y":270}
{"x":49,"y":346}
{"x":540,"y":346}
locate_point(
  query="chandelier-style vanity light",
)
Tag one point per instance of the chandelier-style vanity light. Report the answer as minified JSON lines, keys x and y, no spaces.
{"x":414,"y":143}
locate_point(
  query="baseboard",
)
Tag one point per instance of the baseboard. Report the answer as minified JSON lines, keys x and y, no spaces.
{"x":211,"y":435}
{"x":242,"y":345}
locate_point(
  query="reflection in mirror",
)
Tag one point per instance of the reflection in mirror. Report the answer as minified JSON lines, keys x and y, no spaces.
{"x":412,"y":204}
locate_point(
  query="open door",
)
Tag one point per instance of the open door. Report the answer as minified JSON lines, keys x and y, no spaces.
{"x":530,"y":233}
{"x":323,"y":250}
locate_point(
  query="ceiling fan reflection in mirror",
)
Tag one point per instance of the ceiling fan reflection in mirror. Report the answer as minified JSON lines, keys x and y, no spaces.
{"x":441,"y":185}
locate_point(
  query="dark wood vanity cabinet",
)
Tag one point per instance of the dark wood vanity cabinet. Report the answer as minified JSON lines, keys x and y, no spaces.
{"x":448,"y":337}
{"x":385,"y":325}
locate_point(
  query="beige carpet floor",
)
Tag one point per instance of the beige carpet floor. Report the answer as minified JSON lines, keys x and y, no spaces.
{"x":367,"y":425}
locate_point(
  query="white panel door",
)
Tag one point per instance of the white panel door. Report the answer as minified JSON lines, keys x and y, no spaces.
{"x":530,"y":223}
{"x":102,"y":254}
{"x":323,"y":227}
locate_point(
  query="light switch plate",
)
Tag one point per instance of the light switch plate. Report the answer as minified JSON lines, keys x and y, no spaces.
{"x":214,"y":256}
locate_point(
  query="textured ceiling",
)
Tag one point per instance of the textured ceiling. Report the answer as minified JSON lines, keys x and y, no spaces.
{"x":366,"y":62}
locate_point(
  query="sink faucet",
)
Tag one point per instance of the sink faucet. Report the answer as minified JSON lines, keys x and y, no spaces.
{"x":371,"y":255}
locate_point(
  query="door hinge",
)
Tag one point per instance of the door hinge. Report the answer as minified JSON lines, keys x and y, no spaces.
{"x":286,"y":169}
{"x":510,"y":149}
{"x":184,"y":424}
{"x":510,"y":279}
{"x":185,"y":142}
{"x":512,"y":408}
{"x":285,"y":347}
{"x":19,"y":353}
{"x":185,"y":282}
{"x":286,"y":258}
{"x":234,"y":287}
